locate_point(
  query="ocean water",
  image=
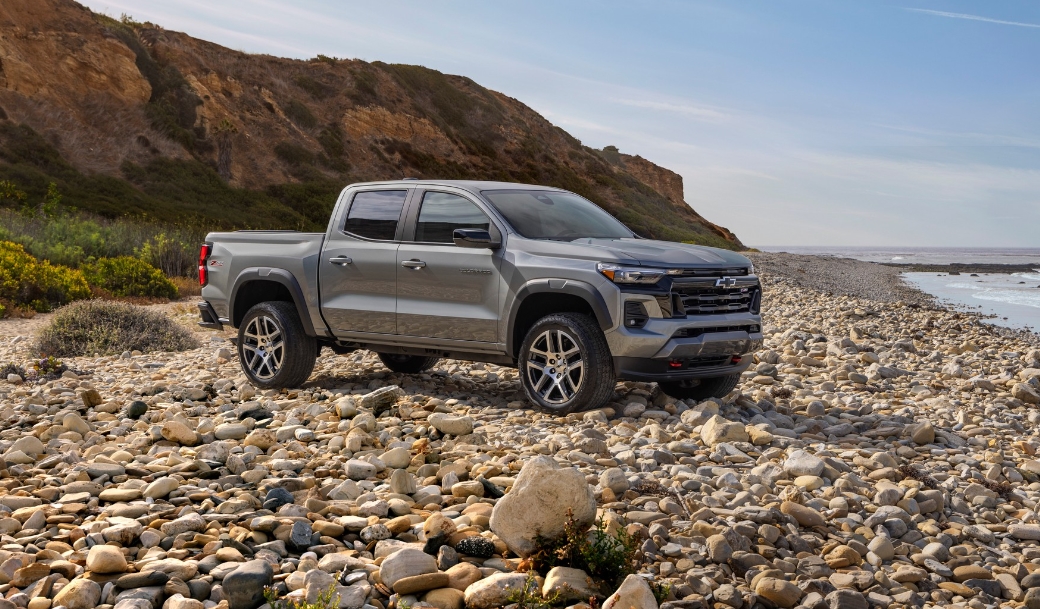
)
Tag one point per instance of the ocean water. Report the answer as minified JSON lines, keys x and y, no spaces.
{"x":922,"y":255}
{"x":1013,"y":298}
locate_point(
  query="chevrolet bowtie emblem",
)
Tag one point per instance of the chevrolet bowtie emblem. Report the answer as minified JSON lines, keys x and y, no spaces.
{"x":725,"y":282}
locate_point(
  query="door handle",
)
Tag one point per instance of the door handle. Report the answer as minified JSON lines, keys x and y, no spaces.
{"x":341,"y":260}
{"x":413,"y":264}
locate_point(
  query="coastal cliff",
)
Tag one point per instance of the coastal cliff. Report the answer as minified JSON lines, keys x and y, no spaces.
{"x":179,"y":127}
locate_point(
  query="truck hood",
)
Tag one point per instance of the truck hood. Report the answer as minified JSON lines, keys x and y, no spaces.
{"x":668,"y":253}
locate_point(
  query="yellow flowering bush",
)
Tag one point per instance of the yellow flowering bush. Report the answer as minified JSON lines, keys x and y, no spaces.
{"x":26,"y":282}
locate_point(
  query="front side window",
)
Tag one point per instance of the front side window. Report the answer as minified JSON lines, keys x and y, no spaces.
{"x":555,"y":215}
{"x":374,"y":214}
{"x":441,"y":213}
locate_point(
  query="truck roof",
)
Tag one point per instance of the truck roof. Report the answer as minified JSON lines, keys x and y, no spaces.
{"x":471,"y":185}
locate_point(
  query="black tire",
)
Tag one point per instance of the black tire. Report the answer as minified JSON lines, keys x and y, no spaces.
{"x":701,"y":389}
{"x":271,"y":321}
{"x":408,"y":364}
{"x":580,"y":335}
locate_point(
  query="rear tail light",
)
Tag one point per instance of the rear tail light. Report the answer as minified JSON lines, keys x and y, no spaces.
{"x":204,"y":252}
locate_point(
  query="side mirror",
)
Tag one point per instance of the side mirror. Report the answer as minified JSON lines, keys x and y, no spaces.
{"x":477,"y":238}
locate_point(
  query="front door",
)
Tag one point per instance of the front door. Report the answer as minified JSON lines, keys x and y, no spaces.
{"x":358,"y":268}
{"x":445,"y":291}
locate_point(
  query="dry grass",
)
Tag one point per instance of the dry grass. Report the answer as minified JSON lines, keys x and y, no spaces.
{"x":187,"y":287}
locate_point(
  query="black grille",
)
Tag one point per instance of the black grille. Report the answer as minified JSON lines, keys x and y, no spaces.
{"x":734,"y":272}
{"x":698,"y":300}
{"x":695,"y":332}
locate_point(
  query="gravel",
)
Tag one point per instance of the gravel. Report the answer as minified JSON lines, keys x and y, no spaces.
{"x":874,"y":455}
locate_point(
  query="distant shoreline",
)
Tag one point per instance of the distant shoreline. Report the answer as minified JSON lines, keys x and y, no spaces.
{"x":963,"y":268}
{"x":879,"y":282}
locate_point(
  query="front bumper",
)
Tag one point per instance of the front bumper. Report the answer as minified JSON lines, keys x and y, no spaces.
{"x":671,"y":349}
{"x":657,"y":371}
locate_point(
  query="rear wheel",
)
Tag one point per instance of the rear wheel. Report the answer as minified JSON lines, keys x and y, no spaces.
{"x":565,"y":364}
{"x":408,"y":364}
{"x":273,"y":348}
{"x":701,"y":389}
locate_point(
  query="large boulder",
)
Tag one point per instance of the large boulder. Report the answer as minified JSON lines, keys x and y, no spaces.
{"x":718,"y":429}
{"x":79,"y":594}
{"x":407,"y":562}
{"x":634,"y":593}
{"x":494,"y":590}
{"x":1025,"y":393}
{"x":539,"y":504}
{"x":244,"y":587}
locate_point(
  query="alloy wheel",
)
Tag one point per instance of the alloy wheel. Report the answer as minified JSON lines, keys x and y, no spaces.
{"x":555,"y":367}
{"x":263,"y":347}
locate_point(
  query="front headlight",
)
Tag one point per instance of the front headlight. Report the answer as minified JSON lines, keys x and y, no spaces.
{"x":630,"y":274}
{"x":751,"y":269}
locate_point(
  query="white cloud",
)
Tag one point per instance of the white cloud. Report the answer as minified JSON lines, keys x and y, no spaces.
{"x":971,"y":17}
{"x":698,"y":112}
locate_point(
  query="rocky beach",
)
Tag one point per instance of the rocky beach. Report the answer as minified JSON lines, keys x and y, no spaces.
{"x":880,"y":452}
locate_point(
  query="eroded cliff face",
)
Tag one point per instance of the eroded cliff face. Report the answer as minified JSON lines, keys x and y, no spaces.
{"x":111,"y":96}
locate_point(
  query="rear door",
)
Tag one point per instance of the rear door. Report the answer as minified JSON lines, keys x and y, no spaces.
{"x":445,"y":291}
{"x":358,"y":268}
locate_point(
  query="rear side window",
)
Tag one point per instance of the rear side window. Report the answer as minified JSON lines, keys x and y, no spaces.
{"x":441,"y":213}
{"x":374,"y":214}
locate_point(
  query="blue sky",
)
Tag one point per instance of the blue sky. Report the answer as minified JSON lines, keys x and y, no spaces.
{"x":815,"y":122}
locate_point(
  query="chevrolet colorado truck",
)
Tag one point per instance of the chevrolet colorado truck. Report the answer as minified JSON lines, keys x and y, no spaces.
{"x":531,"y":277}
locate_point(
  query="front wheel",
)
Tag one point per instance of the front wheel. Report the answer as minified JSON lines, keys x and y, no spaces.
{"x":565,"y":364}
{"x":701,"y":389}
{"x":273,"y":348}
{"x":408,"y":364}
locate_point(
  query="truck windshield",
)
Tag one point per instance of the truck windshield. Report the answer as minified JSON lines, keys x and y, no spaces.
{"x":559,"y":216}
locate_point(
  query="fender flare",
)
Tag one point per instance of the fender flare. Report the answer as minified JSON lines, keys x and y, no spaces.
{"x":571,"y":287}
{"x":280,"y":276}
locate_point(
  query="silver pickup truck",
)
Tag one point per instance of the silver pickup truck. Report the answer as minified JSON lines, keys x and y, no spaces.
{"x":531,"y":277}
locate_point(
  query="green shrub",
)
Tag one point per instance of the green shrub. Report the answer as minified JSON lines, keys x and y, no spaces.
{"x":605,"y":557}
{"x":109,"y":328}
{"x":37,"y":284}
{"x":71,"y":238}
{"x":293,"y":154}
{"x":317,"y":89}
{"x":300,"y":114}
{"x":128,"y":276}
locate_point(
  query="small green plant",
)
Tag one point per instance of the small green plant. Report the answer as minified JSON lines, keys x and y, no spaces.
{"x":604,"y":556}
{"x":327,"y":599}
{"x":110,"y":328}
{"x":326,"y":59}
{"x":49,"y":367}
{"x":128,"y":277}
{"x":661,"y":590}
{"x":530,"y":597}
{"x":51,"y":201}
{"x":128,"y":20}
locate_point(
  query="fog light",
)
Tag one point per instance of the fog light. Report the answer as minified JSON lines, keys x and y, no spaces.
{"x":635,"y":314}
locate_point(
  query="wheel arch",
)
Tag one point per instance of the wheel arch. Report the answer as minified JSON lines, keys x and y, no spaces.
{"x":539,"y":298}
{"x":256,"y":285}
